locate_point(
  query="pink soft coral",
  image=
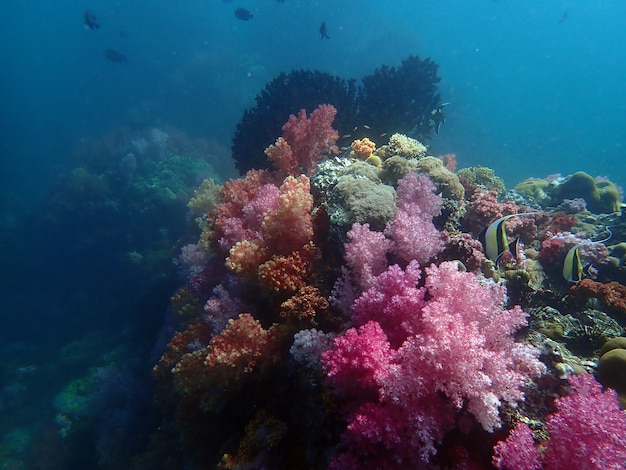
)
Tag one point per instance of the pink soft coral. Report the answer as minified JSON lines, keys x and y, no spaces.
{"x":412,"y":230}
{"x":394,"y":302}
{"x":588,"y":431}
{"x":305,"y":140}
{"x":359,"y":362}
{"x":452,"y":346}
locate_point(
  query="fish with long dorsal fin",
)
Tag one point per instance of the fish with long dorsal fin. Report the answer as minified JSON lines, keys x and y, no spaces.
{"x":573,"y":268}
{"x":496,"y":242}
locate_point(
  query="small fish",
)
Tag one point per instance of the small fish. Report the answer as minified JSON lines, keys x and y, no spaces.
{"x":496,"y":242}
{"x":243,"y":14}
{"x":90,"y":20}
{"x":573,"y":268}
{"x":324,"y":31}
{"x":115,"y":56}
{"x":573,"y":265}
{"x":564,"y":17}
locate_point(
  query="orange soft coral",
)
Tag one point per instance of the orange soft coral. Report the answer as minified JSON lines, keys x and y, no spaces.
{"x":290,"y":226}
{"x":245,"y":257}
{"x":363,"y":148}
{"x":289,"y":272}
{"x":305,"y":304}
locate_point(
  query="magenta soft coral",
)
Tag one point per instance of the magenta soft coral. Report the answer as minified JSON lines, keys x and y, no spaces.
{"x":588,"y":431}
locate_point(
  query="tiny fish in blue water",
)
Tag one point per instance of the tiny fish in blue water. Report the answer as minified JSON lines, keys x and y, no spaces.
{"x":115,"y":56}
{"x":243,"y":14}
{"x":324,"y":31}
{"x":90,"y":20}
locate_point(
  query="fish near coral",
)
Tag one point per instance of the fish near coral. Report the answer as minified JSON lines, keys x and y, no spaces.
{"x":115,"y":56}
{"x":496,"y":242}
{"x":573,"y":266}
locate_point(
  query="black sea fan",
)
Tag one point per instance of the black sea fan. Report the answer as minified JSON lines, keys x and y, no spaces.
{"x":402,"y":99}
{"x":284,"y":95}
{"x":392,"y":99}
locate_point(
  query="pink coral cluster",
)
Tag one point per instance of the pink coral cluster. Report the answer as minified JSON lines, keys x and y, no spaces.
{"x":421,"y":355}
{"x":588,"y":431}
{"x":305,"y":140}
{"x":414,"y":235}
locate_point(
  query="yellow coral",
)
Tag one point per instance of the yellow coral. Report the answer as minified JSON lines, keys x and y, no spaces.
{"x":400,"y":144}
{"x":204,"y":198}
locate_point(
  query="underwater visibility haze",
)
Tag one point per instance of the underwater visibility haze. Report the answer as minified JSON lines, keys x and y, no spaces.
{"x":304,"y":234}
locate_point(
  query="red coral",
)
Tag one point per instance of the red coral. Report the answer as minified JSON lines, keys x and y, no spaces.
{"x":611,"y":295}
{"x":484,"y":208}
{"x":466,"y":249}
{"x":551,"y":250}
{"x":562,"y":222}
{"x":305,"y":141}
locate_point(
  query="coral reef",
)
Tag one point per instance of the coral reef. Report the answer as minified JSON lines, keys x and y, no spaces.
{"x":360,"y":295}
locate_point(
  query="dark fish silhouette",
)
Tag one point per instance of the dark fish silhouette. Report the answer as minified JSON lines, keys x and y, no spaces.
{"x":243,"y":14}
{"x":563,"y":17}
{"x":324,"y":31}
{"x":90,"y":20}
{"x":115,"y":56}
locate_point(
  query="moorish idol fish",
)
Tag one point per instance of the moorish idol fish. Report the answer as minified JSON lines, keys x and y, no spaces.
{"x":573,"y":265}
{"x":496,"y":242}
{"x":573,"y":269}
